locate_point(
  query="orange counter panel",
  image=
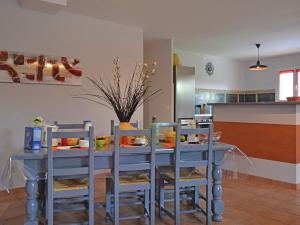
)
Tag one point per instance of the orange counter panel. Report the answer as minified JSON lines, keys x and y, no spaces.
{"x":265,"y":141}
{"x":298,"y":144}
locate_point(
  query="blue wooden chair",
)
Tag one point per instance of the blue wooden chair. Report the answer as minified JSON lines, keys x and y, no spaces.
{"x":70,"y":188}
{"x":185,"y":180}
{"x":161,"y":169}
{"x":135,"y":180}
{"x":113,"y":123}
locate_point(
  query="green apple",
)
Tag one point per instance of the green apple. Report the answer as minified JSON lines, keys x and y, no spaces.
{"x":182,"y":138}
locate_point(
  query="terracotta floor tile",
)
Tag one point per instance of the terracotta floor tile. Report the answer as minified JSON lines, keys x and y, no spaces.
{"x":261,"y":220}
{"x":296,"y":222}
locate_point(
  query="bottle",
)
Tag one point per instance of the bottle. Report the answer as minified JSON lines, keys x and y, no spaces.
{"x":87,"y":125}
{"x":203,"y":109}
{"x":192,"y":137}
{"x":156,"y":126}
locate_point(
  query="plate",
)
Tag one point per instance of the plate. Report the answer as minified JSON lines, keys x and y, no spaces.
{"x":138,"y":144}
{"x":63,"y":147}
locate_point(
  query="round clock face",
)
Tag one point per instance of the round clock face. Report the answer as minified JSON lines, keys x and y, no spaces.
{"x":209,"y":68}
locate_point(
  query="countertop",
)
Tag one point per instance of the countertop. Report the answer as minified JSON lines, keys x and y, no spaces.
{"x":257,"y":103}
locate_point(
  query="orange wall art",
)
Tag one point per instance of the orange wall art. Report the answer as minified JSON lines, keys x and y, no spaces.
{"x":39,"y":69}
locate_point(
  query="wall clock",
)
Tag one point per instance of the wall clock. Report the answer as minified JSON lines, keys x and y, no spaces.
{"x":209,"y":68}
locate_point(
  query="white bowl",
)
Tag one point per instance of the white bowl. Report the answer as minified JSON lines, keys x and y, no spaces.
{"x":193,"y":139}
{"x":84,"y":143}
{"x":140,"y":141}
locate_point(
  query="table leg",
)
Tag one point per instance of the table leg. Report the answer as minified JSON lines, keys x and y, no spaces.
{"x":32,"y":202}
{"x":217,"y":202}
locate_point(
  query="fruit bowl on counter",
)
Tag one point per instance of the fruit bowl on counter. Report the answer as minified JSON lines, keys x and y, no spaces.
{"x":293,"y":99}
{"x":69,"y":141}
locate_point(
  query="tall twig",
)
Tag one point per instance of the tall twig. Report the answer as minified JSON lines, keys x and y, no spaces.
{"x":124,"y":102}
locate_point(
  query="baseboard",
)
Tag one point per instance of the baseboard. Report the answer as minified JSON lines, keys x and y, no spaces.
{"x":14,"y":191}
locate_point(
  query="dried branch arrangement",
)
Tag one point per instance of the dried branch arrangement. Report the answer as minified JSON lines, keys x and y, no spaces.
{"x":136,"y":92}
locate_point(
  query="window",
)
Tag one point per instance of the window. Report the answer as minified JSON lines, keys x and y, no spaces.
{"x":286,"y":84}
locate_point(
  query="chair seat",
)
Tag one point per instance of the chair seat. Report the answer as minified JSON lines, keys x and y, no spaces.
{"x":70,"y":184}
{"x":133,"y":179}
{"x":185,"y":175}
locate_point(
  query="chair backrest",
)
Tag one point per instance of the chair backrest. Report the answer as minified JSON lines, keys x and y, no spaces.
{"x":113,"y":123}
{"x":146,"y":153}
{"x":204,"y":148}
{"x":67,"y":170}
{"x":69,"y":126}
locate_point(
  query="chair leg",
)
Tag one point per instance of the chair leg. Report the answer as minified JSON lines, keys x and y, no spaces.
{"x":152,"y":207}
{"x":116,"y":205}
{"x":108,"y":199}
{"x":177,"y":205}
{"x":161,"y":198}
{"x":46,"y":209}
{"x":157,"y":184}
{"x":91,"y":208}
{"x":196,"y":196}
{"x":91,"y":213}
{"x":146,"y":202}
{"x":50,"y":216}
{"x":208,"y":204}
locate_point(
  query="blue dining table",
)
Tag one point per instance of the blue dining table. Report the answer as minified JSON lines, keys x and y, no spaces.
{"x":35,"y":169}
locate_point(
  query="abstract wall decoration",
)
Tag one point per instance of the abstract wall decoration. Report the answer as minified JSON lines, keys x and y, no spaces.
{"x":39,"y":69}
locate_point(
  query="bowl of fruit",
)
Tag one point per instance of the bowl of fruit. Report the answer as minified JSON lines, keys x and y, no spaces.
{"x":217,"y":136}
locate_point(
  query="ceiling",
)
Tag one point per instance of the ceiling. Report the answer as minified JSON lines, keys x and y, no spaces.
{"x":227,"y":28}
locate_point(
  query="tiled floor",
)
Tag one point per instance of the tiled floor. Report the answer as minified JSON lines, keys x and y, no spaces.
{"x":248,"y":201}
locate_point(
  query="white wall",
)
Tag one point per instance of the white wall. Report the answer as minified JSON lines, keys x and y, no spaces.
{"x":94,"y":41}
{"x":268,"y":79}
{"x":233,"y":74}
{"x":228,"y":74}
{"x":162,"y":106}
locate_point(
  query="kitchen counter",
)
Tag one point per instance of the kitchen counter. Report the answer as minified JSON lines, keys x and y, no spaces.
{"x":257,"y":103}
{"x":269,"y":133}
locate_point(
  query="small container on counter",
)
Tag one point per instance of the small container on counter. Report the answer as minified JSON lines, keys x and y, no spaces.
{"x":33,"y":138}
{"x":156,"y":126}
